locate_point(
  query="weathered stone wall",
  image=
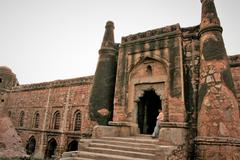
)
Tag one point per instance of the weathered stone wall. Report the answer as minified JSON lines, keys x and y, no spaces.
{"x":191,"y":69}
{"x":235,"y":69}
{"x":65,"y":96}
{"x":217,"y":148}
{"x":162,"y":46}
{"x":166,"y":60}
{"x":191,"y":62}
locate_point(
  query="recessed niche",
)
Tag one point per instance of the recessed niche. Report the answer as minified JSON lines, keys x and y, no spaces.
{"x":149,"y":70}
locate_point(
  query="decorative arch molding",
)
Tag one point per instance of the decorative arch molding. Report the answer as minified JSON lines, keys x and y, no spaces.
{"x":157,"y":87}
{"x":31,"y":136}
{"x":52,"y":139}
{"x":141,"y":60}
{"x":140,"y":81}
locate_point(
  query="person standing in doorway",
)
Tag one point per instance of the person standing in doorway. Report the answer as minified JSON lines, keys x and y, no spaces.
{"x":160,"y":118}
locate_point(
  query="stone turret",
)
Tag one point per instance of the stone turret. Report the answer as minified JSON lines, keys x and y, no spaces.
{"x":102,"y":94}
{"x":7,"y":81}
{"x":218,"y":111}
{"x":7,"y":78}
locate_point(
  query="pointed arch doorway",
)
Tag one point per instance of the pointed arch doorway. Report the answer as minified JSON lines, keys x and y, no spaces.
{"x":148,"y":105}
{"x":51,"y":148}
{"x":73,"y":146}
{"x":31,"y":144}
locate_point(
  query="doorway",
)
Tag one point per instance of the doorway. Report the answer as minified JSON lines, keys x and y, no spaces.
{"x":148,"y":107}
{"x":51,"y":148}
{"x":31,"y":144}
{"x":73,"y":146}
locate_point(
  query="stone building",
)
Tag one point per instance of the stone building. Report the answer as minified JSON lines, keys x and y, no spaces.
{"x":183,"y":71}
{"x":50,"y":117}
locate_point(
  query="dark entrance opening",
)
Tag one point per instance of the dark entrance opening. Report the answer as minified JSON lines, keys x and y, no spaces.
{"x":73,"y":146}
{"x":31,"y":144}
{"x":148,"y":107}
{"x":50,"y":150}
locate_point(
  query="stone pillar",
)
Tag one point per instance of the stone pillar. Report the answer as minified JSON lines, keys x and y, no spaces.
{"x":102,"y":94}
{"x":40,"y":152}
{"x":218,"y":111}
{"x":63,"y":127}
{"x":165,"y":109}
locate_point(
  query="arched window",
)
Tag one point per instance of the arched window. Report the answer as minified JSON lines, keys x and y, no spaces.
{"x":56,"y":120}
{"x":21,"y":119}
{"x":149,"y":70}
{"x":77,"y":121}
{"x":36,"y":120}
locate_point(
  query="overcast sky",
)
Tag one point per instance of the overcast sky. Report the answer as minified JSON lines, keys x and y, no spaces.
{"x":45,"y":40}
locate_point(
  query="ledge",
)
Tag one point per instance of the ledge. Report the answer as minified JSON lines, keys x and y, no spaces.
{"x":174,"y":125}
{"x":150,"y":33}
{"x":210,"y":27}
{"x":220,"y":141}
{"x":123,"y":124}
{"x":168,"y":35}
{"x":55,"y":84}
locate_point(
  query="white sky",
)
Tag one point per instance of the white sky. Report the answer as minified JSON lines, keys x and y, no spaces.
{"x":45,"y":40}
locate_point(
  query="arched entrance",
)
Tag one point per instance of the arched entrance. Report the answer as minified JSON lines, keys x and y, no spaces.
{"x":148,"y":106}
{"x":73,"y":146}
{"x":31,"y":144}
{"x":51,"y":148}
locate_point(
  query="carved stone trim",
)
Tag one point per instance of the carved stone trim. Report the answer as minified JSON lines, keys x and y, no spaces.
{"x":55,"y":84}
{"x":212,"y":27}
{"x":234,"y":60}
{"x":142,"y":60}
{"x":220,"y":141}
{"x":139,"y":91}
{"x":150,"y":33}
{"x":174,"y":125}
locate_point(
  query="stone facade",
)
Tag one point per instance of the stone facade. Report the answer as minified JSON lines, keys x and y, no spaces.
{"x":67,"y":97}
{"x":183,"y":71}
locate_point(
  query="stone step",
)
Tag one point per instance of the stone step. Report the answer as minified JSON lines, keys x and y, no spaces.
{"x":139,"y":139}
{"x":124,"y":147}
{"x":120,"y":152}
{"x":125,"y":143}
{"x":69,"y":154}
{"x":75,"y":158}
{"x":102,"y":156}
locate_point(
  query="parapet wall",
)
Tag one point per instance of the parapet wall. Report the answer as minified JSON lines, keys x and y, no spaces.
{"x":55,"y":84}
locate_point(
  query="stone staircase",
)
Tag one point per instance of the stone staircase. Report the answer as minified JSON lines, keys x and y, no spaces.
{"x":141,"y":147}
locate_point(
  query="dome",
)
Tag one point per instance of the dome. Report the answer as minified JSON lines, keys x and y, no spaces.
{"x":6,"y":70}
